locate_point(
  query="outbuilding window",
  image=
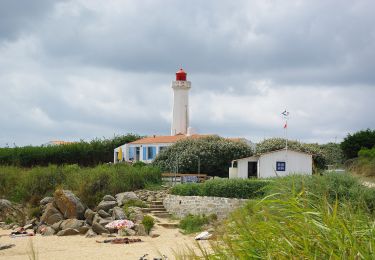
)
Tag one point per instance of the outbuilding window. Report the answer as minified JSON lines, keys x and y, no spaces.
{"x":280,"y":166}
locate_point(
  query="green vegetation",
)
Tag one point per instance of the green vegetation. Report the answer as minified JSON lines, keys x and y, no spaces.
{"x":302,"y":217}
{"x":274,"y":144}
{"x":365,"y":163}
{"x":352,"y":144}
{"x":135,"y":203}
{"x":194,"y":223}
{"x":333,"y":154}
{"x":213,"y":154}
{"x":82,"y":153}
{"x":89,"y":184}
{"x":148,"y":222}
{"x":230,"y":188}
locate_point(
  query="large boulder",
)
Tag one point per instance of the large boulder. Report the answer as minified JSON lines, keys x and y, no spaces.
{"x":140,"y":230}
{"x":9,"y":211}
{"x":104,"y":214}
{"x":106,"y":205}
{"x":123,"y":197}
{"x":51,"y":215}
{"x":71,"y":223}
{"x":99,"y":229}
{"x":118,"y":213}
{"x":69,"y":204}
{"x":90,"y":233}
{"x":45,"y":201}
{"x":48,"y":231}
{"x":135,"y":214}
{"x":68,"y":232}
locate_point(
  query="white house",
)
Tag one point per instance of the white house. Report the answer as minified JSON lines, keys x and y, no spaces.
{"x":272,"y":164}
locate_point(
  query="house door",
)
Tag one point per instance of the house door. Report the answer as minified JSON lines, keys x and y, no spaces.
{"x":137,"y":153}
{"x":252,"y":169}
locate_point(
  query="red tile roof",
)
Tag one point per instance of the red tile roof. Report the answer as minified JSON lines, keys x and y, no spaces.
{"x":165,"y":139}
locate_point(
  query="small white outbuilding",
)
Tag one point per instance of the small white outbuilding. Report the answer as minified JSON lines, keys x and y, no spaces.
{"x":272,"y":164}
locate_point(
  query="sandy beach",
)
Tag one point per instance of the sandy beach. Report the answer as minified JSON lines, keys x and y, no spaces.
{"x":80,"y":247}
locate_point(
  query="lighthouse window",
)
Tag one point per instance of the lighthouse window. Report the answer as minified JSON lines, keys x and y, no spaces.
{"x":280,"y":166}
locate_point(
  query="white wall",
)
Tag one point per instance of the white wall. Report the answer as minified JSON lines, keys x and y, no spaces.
{"x":295,"y":162}
{"x":180,"y":121}
{"x":242,"y":166}
{"x":125,"y":151}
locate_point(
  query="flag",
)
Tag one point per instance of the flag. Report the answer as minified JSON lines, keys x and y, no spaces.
{"x":286,"y":125}
{"x":285,"y":113}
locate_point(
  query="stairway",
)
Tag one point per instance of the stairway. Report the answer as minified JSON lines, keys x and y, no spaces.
{"x":157,"y":209}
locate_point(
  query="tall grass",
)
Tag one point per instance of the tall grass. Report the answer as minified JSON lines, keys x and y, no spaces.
{"x":302,"y":217}
{"x":90,"y":184}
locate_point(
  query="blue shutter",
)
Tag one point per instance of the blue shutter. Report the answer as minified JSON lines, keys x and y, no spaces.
{"x":131,"y":153}
{"x":144,"y":153}
{"x":153,"y":152}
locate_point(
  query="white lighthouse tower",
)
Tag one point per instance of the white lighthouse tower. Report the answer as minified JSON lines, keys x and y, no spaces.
{"x":181,"y":87}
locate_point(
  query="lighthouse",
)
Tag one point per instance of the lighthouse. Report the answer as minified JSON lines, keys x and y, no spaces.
{"x":181,"y":87}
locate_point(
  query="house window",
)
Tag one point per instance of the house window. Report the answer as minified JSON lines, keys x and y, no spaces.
{"x":280,"y":166}
{"x":161,"y":148}
{"x":151,"y":152}
{"x":131,"y":153}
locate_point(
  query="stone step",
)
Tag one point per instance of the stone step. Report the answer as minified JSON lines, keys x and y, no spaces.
{"x":158,"y":211}
{"x":162,"y":215}
{"x":169,"y":225}
{"x":146,"y":210}
{"x":156,"y":202}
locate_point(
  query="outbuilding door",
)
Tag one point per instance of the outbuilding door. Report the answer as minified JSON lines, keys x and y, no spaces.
{"x":252,"y":169}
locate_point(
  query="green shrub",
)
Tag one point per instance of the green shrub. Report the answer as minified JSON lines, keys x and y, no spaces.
{"x":83,"y":153}
{"x":148,"y":222}
{"x":365,"y":163}
{"x":353,"y":143}
{"x":135,"y":203}
{"x":193,"y":223}
{"x":213,"y":154}
{"x":229,"y":188}
{"x":89,"y":184}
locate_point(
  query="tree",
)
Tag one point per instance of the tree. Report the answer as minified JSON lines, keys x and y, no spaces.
{"x":212,"y":154}
{"x":352,"y":144}
{"x":332,"y":153}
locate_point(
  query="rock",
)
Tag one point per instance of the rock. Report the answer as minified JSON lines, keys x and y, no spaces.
{"x":5,"y":204}
{"x":57,"y":226}
{"x":105,"y":221}
{"x":69,"y":204}
{"x":135,"y":214}
{"x":118,"y":213}
{"x":6,"y":246}
{"x":96,"y":219}
{"x":122,"y":198}
{"x":40,"y":229}
{"x":31,"y":222}
{"x":48,"y":231}
{"x":150,"y":198}
{"x":103,"y":214}
{"x":99,"y":229}
{"x":71,"y":223}
{"x":155,"y":235}
{"x":28,"y":226}
{"x":45,"y":201}
{"x":130,"y":232}
{"x":90,"y":233}
{"x":83,"y":230}
{"x":109,"y":198}
{"x":106,"y":205}
{"x":68,"y":232}
{"x":140,"y":230}
{"x":13,"y":212}
{"x":51,"y":215}
{"x":89,"y":216}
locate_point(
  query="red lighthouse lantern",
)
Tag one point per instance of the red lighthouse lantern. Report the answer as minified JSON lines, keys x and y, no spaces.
{"x":181,"y":75}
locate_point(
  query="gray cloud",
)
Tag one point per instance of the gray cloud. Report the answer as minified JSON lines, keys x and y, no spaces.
{"x":85,"y":69}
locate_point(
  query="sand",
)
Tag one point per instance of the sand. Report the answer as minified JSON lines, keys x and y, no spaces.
{"x":80,"y":247}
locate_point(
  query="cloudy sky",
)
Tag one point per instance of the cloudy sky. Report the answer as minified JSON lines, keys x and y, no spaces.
{"x":82,"y":69}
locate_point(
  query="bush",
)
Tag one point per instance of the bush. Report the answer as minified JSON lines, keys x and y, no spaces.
{"x":148,"y":222}
{"x":193,"y":223}
{"x":229,"y":188}
{"x":365,"y":163}
{"x":135,"y":203}
{"x":214,"y":155}
{"x":274,"y":144}
{"x":333,"y":154}
{"x":89,"y":184}
{"x":352,"y":144}
{"x":83,"y":153}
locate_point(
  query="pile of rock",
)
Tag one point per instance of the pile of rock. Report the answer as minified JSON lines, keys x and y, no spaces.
{"x":65,"y":214}
{"x":149,"y":196}
{"x":11,"y":215}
